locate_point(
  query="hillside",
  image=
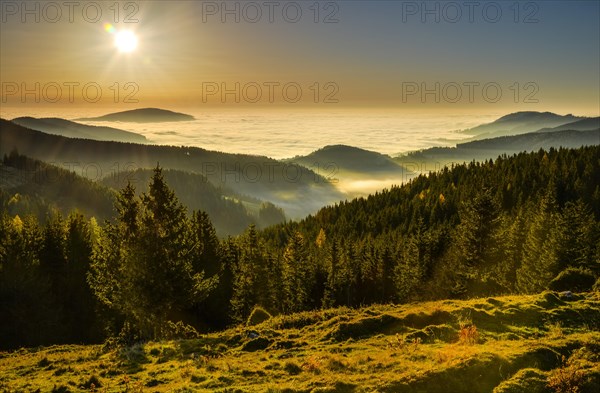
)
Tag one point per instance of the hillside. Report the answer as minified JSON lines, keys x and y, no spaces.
{"x":29,"y":186}
{"x":592,"y":123}
{"x":350,"y":160}
{"x":230,"y":213}
{"x":485,"y":149}
{"x":520,"y":123}
{"x":354,"y":171}
{"x":298,"y":190}
{"x":72,"y":129}
{"x":535,"y":141}
{"x":545,"y":343}
{"x":143,"y":115}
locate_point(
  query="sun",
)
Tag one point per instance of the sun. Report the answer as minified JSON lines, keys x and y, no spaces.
{"x":126,"y":41}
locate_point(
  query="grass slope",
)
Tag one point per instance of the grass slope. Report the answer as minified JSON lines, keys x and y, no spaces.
{"x":539,"y":343}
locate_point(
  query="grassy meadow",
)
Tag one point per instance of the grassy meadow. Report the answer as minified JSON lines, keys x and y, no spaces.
{"x":548,"y":342}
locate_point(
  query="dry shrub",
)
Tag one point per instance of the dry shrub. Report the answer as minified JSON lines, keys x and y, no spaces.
{"x":566,"y":380}
{"x":468,"y":335}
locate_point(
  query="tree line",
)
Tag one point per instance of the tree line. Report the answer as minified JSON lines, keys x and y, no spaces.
{"x":518,"y":224}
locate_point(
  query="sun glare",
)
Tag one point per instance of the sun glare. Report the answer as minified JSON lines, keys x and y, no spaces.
{"x":126,"y":41}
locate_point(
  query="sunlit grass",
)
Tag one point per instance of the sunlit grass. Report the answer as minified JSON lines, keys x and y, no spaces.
{"x":472,"y":346}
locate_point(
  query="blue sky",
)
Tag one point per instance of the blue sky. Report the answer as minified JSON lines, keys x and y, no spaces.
{"x":371,"y":53}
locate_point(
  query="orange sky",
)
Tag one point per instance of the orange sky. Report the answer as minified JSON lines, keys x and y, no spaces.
{"x":372,"y":54}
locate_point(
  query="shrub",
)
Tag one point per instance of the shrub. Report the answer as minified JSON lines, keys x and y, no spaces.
{"x":468,"y":335}
{"x":256,"y":344}
{"x":573,"y":279}
{"x":566,"y":380}
{"x":257,"y":316}
{"x":91,"y":384}
{"x":292,"y":368}
{"x":179,"y":330}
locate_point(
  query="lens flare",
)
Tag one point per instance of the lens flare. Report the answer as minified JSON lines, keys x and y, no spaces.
{"x":109,"y":28}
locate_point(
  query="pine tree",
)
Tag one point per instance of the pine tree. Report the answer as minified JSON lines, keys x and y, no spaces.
{"x":332,"y":287}
{"x":387,"y":265}
{"x":207,"y":257}
{"x":81,"y":306}
{"x":512,"y":234}
{"x":477,"y":244}
{"x":152,"y":271}
{"x":128,"y":209}
{"x":577,"y":237}
{"x":251,"y":286}
{"x":410,"y":271}
{"x":28,"y":310}
{"x":540,"y":262}
{"x":297,"y":277}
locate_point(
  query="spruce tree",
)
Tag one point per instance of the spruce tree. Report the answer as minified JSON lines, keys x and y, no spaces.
{"x":296,"y":274}
{"x":153,"y":271}
{"x":251,"y":287}
{"x":540,"y":262}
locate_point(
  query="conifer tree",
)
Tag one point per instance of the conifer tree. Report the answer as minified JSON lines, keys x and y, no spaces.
{"x":540,"y":262}
{"x":152,"y":271}
{"x":477,"y":244}
{"x":251,"y":286}
{"x":296,"y":274}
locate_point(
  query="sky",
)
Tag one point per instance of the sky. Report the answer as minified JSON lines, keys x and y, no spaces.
{"x":459,"y":57}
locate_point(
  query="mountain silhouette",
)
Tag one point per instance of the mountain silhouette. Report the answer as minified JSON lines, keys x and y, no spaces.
{"x":592,"y":123}
{"x":71,"y":129}
{"x":296,"y":189}
{"x":485,"y":149}
{"x":349,"y":158}
{"x":143,"y":115}
{"x":520,"y":123}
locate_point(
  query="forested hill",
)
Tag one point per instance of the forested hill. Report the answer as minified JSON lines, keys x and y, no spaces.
{"x":293,"y":187}
{"x":230,"y":213}
{"x":72,"y":129}
{"x":32,"y":187}
{"x":515,"y":225}
{"x":436,"y":198}
{"x":519,"y":123}
{"x":485,"y":149}
{"x":521,"y":224}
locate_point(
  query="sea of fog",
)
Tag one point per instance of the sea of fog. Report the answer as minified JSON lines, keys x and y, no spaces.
{"x":288,"y":133}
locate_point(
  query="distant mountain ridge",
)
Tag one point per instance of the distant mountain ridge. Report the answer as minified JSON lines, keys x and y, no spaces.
{"x":355,"y":171}
{"x":142,"y":115}
{"x":520,"y":123}
{"x":478,"y":150}
{"x":71,"y":129}
{"x":587,"y":124}
{"x":536,"y":140}
{"x":349,"y":158}
{"x":296,"y":189}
